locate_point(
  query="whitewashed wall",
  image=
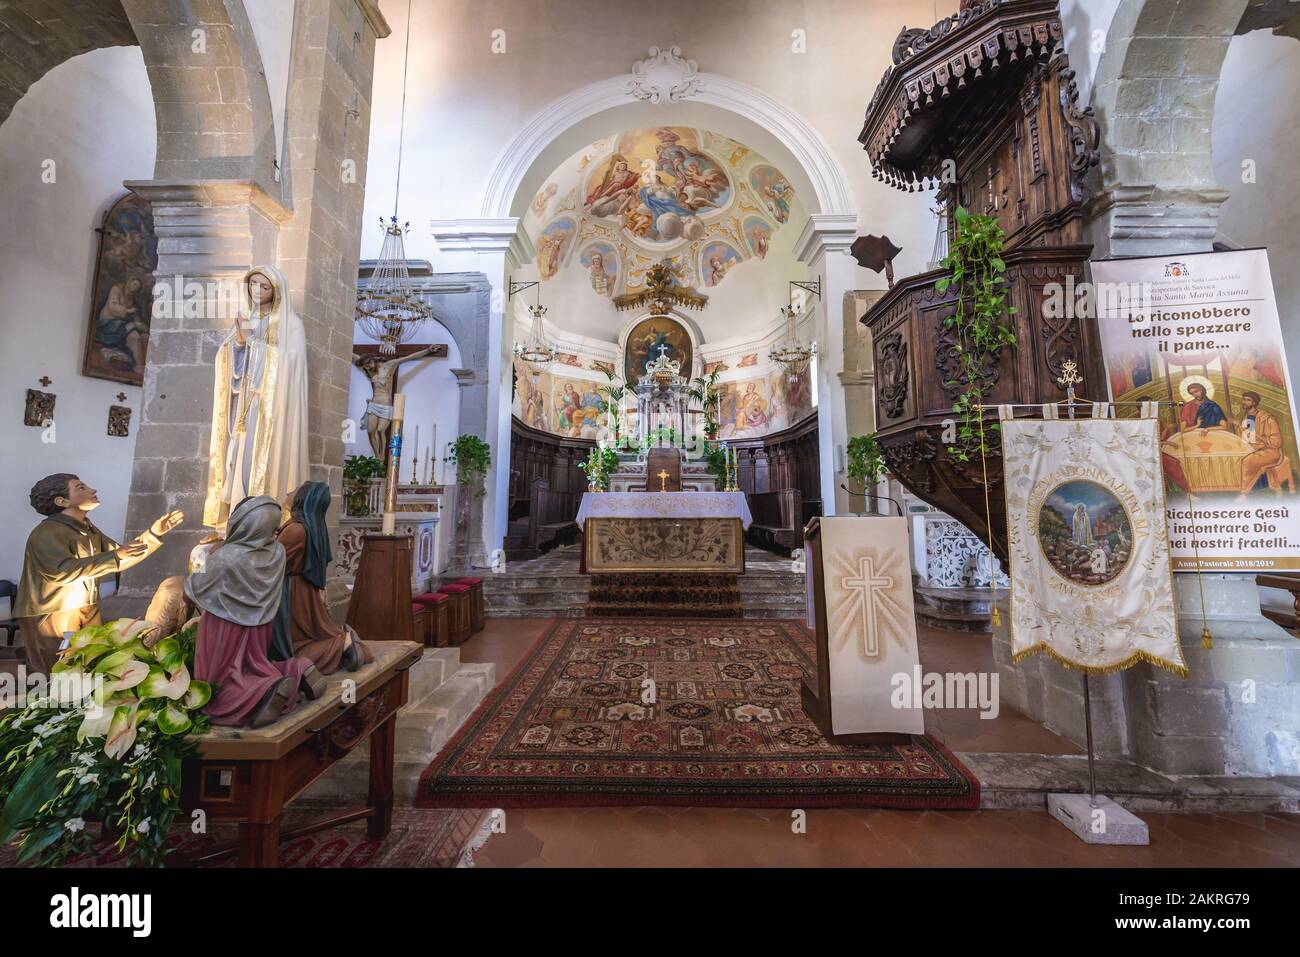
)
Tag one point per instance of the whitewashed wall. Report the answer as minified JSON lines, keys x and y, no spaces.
{"x":94,"y":117}
{"x":465,"y":102}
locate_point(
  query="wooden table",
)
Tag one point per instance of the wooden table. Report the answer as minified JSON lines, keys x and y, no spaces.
{"x":249,"y":776}
{"x":1211,"y":461}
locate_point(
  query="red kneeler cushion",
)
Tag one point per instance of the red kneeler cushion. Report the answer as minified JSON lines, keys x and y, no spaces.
{"x":429,"y":598}
{"x":456,"y":589}
{"x":416,"y":607}
{"x":471,"y":582}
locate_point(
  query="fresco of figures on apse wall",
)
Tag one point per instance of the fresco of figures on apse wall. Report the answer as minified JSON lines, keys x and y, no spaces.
{"x":569,"y":405}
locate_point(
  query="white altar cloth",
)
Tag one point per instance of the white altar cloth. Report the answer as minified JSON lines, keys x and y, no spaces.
{"x":664,"y":505}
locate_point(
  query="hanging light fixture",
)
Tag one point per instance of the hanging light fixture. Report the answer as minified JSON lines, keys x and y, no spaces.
{"x":535,"y":352}
{"x":789,"y":351}
{"x":388,"y":310}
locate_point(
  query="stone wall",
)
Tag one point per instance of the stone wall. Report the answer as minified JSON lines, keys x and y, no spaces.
{"x":212,"y":230}
{"x":1236,"y":714}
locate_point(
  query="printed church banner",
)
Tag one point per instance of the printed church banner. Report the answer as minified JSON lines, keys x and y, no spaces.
{"x":1089,"y":551}
{"x":1200,"y":332}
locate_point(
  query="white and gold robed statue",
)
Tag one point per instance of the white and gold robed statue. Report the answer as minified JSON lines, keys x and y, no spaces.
{"x":259,"y":401}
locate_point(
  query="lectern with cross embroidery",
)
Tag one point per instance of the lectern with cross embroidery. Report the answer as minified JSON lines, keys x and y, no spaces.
{"x":860,"y":597}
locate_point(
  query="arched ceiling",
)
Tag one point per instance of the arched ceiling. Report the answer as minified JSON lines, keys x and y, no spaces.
{"x":624,"y":202}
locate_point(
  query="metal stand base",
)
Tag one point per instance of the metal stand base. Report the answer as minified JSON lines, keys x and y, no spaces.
{"x":1097,"y":820}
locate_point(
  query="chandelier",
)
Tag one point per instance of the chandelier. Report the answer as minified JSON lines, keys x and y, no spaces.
{"x":388,"y":309}
{"x":789,"y":351}
{"x":535,"y":352}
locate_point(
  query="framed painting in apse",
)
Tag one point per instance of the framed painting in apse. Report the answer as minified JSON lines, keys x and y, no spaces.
{"x":643,"y":344}
{"x":121,"y":300}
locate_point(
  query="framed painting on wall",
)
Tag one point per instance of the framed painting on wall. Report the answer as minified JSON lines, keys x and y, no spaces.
{"x":643,"y":344}
{"x":121,"y":302}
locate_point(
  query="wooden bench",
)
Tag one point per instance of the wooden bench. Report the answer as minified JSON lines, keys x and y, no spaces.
{"x":249,"y":776}
{"x":777,"y":524}
{"x":552,"y":516}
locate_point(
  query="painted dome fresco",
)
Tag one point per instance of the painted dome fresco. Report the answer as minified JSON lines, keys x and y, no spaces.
{"x":698,"y":198}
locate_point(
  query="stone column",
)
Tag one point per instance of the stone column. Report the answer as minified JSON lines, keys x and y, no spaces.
{"x":858,"y":382}
{"x":214,"y":230}
{"x":824,"y":247}
{"x":467,"y":549}
{"x":1143,"y":221}
{"x":1155,"y":92}
{"x":498,"y":247}
{"x":208,"y":234}
{"x":326,"y":149}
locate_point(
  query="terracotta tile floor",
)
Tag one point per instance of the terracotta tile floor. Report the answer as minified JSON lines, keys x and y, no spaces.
{"x":737,"y":837}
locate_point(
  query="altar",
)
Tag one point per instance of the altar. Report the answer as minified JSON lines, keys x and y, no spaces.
{"x":664,"y":554}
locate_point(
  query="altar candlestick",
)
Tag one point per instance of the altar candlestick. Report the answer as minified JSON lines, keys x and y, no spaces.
{"x":394,"y":463}
{"x":415,"y":457}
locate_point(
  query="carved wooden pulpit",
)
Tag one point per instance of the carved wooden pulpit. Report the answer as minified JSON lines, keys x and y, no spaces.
{"x":984,"y":103}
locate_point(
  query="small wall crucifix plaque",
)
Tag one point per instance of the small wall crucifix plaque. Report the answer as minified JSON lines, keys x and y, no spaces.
{"x":663,"y":480}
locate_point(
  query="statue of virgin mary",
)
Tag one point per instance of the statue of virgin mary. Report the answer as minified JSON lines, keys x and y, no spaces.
{"x":259,"y":401}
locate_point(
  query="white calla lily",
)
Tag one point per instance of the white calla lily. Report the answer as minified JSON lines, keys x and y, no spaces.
{"x":121,"y":731}
{"x":160,"y":685}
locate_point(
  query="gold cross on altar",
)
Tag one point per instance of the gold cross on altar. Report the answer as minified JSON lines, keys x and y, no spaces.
{"x":867,"y":581}
{"x":663,"y":480}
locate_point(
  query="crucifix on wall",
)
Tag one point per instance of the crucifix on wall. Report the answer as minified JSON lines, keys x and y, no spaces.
{"x":382,"y":374}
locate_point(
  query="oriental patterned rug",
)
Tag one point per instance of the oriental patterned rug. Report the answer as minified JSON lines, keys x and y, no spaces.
{"x":437,"y":838}
{"x":718,"y":722}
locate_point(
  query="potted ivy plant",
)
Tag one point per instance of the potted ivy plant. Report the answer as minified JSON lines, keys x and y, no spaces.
{"x":705,"y":391}
{"x":613,"y":392}
{"x":599,"y":464}
{"x":358,"y":472}
{"x":471,"y":457}
{"x":865,"y":466}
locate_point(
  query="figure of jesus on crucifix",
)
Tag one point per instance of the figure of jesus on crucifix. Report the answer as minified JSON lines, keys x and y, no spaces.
{"x":383,"y":384}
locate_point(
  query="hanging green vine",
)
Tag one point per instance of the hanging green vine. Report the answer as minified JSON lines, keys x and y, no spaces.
{"x":981,"y":321}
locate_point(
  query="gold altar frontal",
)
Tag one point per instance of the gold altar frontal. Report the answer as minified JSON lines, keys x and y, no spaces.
{"x":664,"y":567}
{"x":690,"y":546}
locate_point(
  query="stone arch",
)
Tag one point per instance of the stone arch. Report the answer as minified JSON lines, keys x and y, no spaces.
{"x":40,"y":39}
{"x":211,"y":99}
{"x":1154,"y":93}
{"x":210,"y":91}
{"x":728,"y":106}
